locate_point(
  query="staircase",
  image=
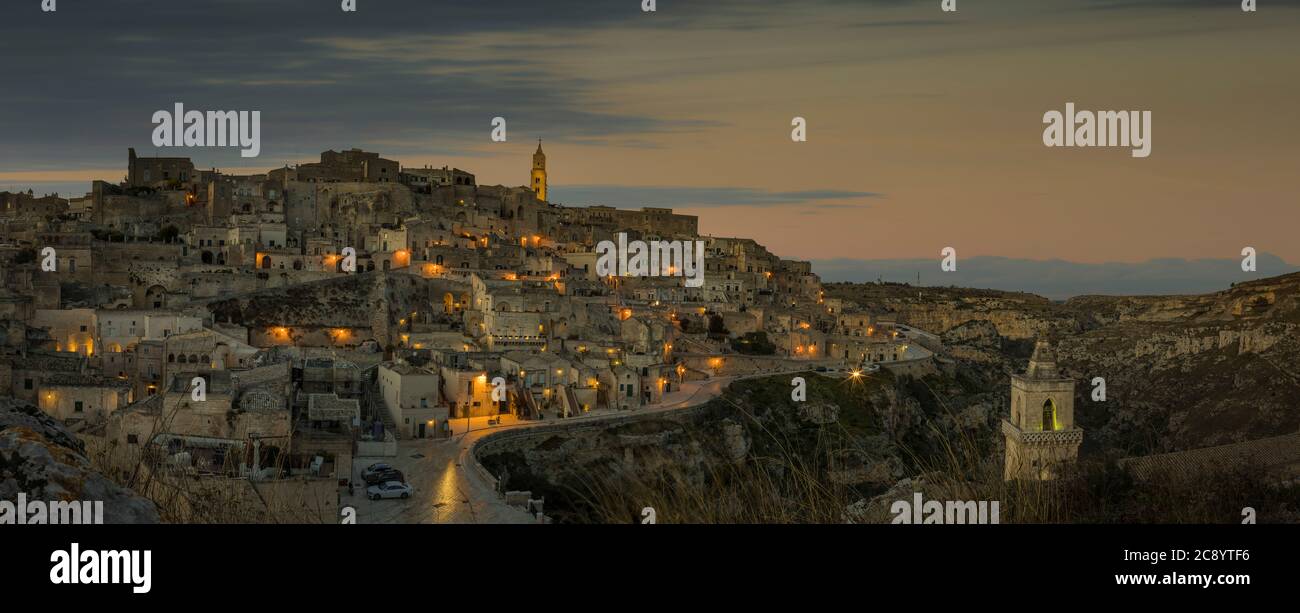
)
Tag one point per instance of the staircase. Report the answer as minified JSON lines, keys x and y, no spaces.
{"x":571,"y":402}
{"x":525,"y":399}
{"x":377,"y":408}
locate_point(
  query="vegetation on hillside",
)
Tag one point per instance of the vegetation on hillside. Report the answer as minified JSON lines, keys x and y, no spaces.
{"x":856,"y":445}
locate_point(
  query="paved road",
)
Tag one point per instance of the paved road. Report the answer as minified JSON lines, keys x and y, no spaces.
{"x":448,"y":489}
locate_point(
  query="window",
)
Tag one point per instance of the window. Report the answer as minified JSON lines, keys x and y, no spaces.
{"x":132,"y":439}
{"x":83,"y":328}
{"x":27,"y":384}
{"x":77,"y":407}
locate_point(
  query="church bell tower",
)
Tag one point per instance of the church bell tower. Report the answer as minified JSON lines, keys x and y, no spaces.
{"x":1041,"y":435}
{"x":538,"y":182}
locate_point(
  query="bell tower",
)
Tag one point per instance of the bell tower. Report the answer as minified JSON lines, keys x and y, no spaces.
{"x":538,"y":182}
{"x":1041,"y":435}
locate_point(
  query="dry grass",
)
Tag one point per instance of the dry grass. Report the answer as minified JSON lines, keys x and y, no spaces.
{"x":792,"y":485}
{"x":216,"y":498}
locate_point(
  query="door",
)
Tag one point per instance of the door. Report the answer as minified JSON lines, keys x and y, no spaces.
{"x":421,"y":429}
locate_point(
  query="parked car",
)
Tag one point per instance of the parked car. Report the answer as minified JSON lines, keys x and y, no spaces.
{"x":389,"y":489}
{"x":377,"y":467}
{"x":872,"y":367}
{"x":387,"y":475}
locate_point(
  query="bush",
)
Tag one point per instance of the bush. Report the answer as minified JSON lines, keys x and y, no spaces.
{"x":754,"y":343}
{"x":717,"y":329}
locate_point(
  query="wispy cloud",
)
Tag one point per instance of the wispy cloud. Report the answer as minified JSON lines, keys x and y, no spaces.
{"x":632,"y":196}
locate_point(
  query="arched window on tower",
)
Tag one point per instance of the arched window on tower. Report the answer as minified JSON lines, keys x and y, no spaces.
{"x":1049,"y":415}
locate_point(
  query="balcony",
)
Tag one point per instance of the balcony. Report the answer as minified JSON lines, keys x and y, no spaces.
{"x":1039,"y":437}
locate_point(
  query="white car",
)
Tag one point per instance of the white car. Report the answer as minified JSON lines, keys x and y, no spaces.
{"x":389,"y":489}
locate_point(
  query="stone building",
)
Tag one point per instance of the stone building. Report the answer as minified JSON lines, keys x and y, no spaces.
{"x":155,"y":171}
{"x":426,"y":178}
{"x":647,"y":222}
{"x":353,"y":165}
{"x":1041,"y":435}
{"x":71,"y":396}
{"x":411,"y":396}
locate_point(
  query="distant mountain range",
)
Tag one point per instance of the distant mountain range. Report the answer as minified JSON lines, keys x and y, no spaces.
{"x":1060,"y":279}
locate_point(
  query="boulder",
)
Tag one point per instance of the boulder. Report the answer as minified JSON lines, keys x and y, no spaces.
{"x":43,"y":459}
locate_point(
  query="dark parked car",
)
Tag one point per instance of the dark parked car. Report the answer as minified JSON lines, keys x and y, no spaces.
{"x":386,"y":475}
{"x":377,"y":467}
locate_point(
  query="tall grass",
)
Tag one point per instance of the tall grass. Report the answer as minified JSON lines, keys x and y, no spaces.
{"x":182,"y":496}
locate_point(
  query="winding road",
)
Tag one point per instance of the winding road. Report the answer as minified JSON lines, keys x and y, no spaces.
{"x":448,"y":488}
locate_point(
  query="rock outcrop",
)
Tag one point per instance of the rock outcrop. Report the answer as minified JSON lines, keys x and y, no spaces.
{"x":43,"y":459}
{"x":1180,"y":371}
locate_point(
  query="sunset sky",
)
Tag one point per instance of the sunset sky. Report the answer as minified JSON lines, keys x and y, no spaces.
{"x":925,"y":128}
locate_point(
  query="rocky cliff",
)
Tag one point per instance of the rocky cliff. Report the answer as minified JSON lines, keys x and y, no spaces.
{"x":938,"y":309}
{"x":1191,"y":371}
{"x":1179,"y":371}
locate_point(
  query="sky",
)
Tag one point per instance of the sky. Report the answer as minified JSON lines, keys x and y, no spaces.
{"x":924,"y":127}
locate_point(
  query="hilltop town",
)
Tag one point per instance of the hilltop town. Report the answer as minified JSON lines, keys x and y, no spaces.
{"x":274,"y":347}
{"x":193,"y":326}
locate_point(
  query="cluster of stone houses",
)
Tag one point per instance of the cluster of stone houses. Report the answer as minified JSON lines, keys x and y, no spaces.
{"x":331,"y":306}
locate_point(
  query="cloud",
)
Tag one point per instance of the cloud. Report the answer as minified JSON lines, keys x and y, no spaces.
{"x":82,"y":84}
{"x":1224,"y":5}
{"x":635,"y":196}
{"x":904,"y":23}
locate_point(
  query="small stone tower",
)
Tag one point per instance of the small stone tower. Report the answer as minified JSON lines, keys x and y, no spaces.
{"x":1041,"y":433}
{"x":539,"y":172}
